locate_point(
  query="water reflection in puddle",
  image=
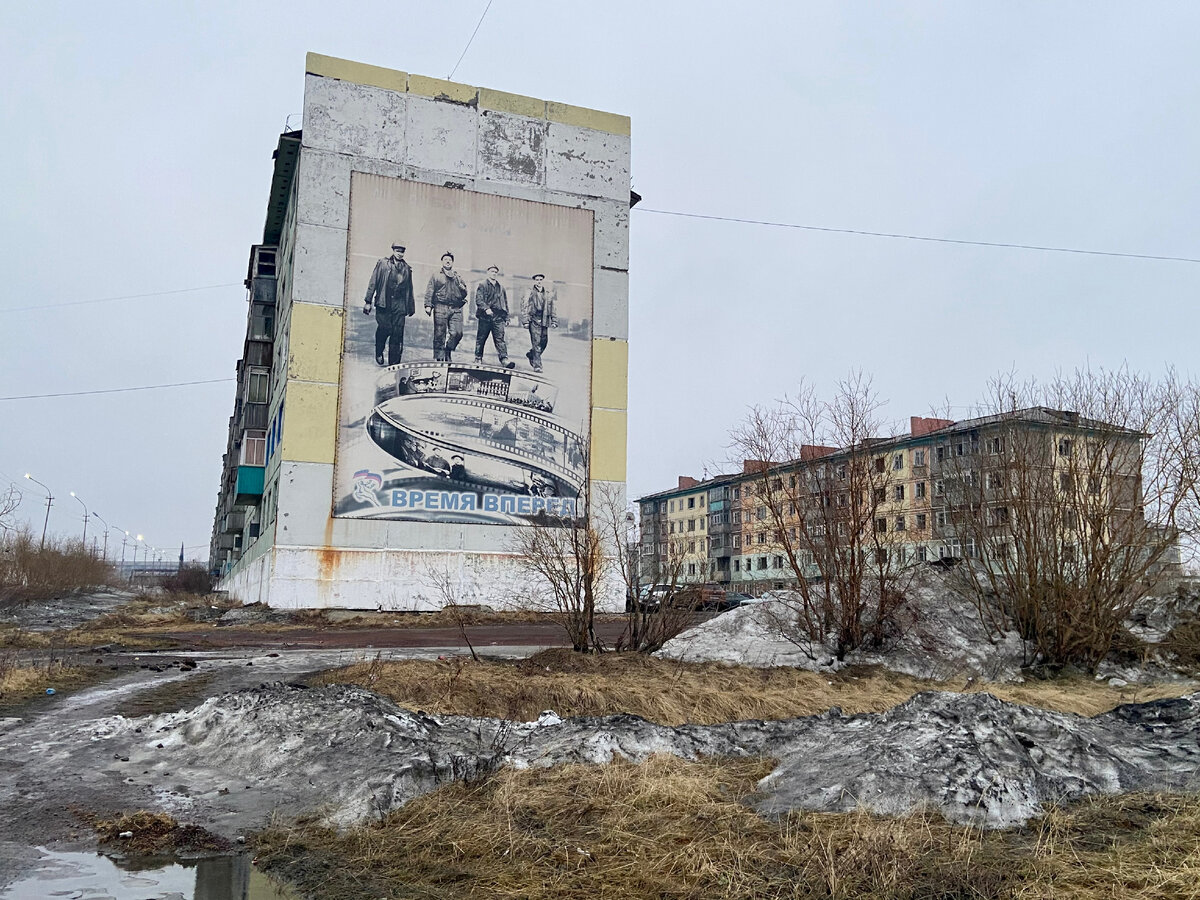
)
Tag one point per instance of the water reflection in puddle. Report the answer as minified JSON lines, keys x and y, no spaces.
{"x":90,"y":876}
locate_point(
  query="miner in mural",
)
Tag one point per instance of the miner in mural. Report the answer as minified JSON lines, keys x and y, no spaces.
{"x":491,"y":311}
{"x":444,"y":300}
{"x":390,"y":290}
{"x":537,"y":312}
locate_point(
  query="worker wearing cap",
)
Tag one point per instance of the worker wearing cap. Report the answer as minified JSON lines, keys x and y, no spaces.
{"x":537,"y":312}
{"x":491,"y":311}
{"x":444,"y":299}
{"x":391,"y":292}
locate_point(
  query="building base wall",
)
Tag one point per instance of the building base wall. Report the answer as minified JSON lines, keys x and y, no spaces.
{"x":401,"y":580}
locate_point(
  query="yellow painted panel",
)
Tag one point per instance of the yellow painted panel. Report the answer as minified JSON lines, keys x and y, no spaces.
{"x":359,"y":73}
{"x":610,"y":374}
{"x":309,"y":422}
{"x":587,"y":118}
{"x":315,"y":342}
{"x":609,"y":429}
{"x":512,"y":103}
{"x":440,"y":89}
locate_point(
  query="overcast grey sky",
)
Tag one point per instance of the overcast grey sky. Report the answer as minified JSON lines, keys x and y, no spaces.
{"x":137,"y":158}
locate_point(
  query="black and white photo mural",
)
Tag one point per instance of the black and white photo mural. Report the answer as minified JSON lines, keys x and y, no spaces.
{"x":466,"y":363}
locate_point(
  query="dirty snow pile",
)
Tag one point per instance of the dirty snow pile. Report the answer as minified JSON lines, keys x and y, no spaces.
{"x":940,"y":636}
{"x":356,"y":755}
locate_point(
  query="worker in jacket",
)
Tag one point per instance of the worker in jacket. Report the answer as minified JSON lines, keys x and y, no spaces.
{"x":491,"y":311}
{"x":537,"y":312}
{"x":444,"y":299}
{"x":390,"y":290}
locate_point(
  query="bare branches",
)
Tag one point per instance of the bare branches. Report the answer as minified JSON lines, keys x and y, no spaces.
{"x":825,"y":491}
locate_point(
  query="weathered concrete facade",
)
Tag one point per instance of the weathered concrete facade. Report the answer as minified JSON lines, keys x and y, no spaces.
{"x":360,"y":118}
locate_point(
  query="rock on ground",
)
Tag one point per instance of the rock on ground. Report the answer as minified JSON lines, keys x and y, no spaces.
{"x":357,"y":755}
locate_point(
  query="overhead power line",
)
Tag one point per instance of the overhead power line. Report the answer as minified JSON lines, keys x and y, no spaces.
{"x":470,"y":41}
{"x":143,"y":387}
{"x":206,"y":287}
{"x":918,"y":237}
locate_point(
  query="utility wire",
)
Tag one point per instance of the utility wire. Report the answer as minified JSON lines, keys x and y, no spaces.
{"x":207,"y":287}
{"x":917,"y":237}
{"x":143,"y":387}
{"x":470,"y":41}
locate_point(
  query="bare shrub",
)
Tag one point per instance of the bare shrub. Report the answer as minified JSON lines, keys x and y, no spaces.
{"x":29,"y":571}
{"x":190,"y":579}
{"x":1072,"y":498}
{"x":818,"y":487}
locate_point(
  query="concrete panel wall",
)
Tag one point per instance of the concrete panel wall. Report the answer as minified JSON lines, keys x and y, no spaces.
{"x":386,"y":122}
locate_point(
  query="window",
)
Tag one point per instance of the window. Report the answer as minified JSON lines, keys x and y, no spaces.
{"x":672,"y":506}
{"x":258,"y":386}
{"x":969,"y":548}
{"x":1066,"y":481}
{"x":761,"y":513}
{"x":672,"y":528}
{"x":897,"y":462}
{"x":1065,"y":446}
{"x":941,"y":452}
{"x":737,"y":541}
{"x":880,"y":495}
{"x":691,"y":568}
{"x":761,"y":537}
{"x":779,"y":562}
{"x":691,"y":547}
{"x":998,"y":515}
{"x":841,"y":470}
{"x":919,"y":457}
{"x":762,"y":562}
{"x":880,"y":464}
{"x":700,"y":522}
{"x":737,"y":493}
{"x":737,"y":517}
{"x":662,"y":506}
{"x":737,"y":565}
{"x":701,"y":499}
{"x":919,"y":490}
{"x":898,"y":493}
{"x":939,"y":488}
{"x":1093,"y":484}
{"x":995,"y":445}
{"x":881,"y":556}
{"x":968,"y":479}
{"x":920,"y":521}
{"x":691,"y":524}
{"x":899,"y":524}
{"x":880,"y":525}
{"x":691,"y":502}
{"x":254,"y":449}
{"x":995,"y":480}
{"x":939,"y":518}
{"x":922,"y":553}
{"x":842,"y":499}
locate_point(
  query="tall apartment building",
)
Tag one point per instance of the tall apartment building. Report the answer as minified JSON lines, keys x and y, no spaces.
{"x":374,"y":444}
{"x":910,"y":494}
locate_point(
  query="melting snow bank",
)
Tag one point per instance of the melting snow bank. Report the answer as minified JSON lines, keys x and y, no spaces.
{"x":938,"y":634}
{"x":973,"y":757}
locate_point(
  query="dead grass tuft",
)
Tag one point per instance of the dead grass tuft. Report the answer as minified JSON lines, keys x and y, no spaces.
{"x":673,"y":693}
{"x":670,"y":828}
{"x":24,"y":678}
{"x":156,"y":833}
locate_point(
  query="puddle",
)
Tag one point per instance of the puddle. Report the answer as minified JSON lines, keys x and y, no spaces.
{"x":90,"y":876}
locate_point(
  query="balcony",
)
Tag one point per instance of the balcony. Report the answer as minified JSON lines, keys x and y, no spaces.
{"x":254,"y":415}
{"x":234,"y":521}
{"x":249,"y":484}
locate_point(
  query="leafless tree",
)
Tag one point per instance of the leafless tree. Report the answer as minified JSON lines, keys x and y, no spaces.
{"x":447,"y":587}
{"x":10,"y":499}
{"x":821,"y":492}
{"x":1069,"y":499}
{"x":571,"y":564}
{"x":658,"y":606}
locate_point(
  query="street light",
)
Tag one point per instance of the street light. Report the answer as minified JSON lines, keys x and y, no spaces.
{"x":85,"y":518}
{"x":104,"y":556}
{"x":49,"y":500}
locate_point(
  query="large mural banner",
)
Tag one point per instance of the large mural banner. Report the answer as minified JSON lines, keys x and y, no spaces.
{"x":465,"y":390}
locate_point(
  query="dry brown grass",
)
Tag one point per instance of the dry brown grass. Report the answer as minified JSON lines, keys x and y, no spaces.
{"x":156,"y":833}
{"x":670,"y":828}
{"x":673,"y":693}
{"x":22,"y":679}
{"x":30,"y":571}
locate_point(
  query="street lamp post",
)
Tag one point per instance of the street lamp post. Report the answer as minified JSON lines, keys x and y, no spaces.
{"x":85,"y":518}
{"x":104,"y":556}
{"x":49,"y":500}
